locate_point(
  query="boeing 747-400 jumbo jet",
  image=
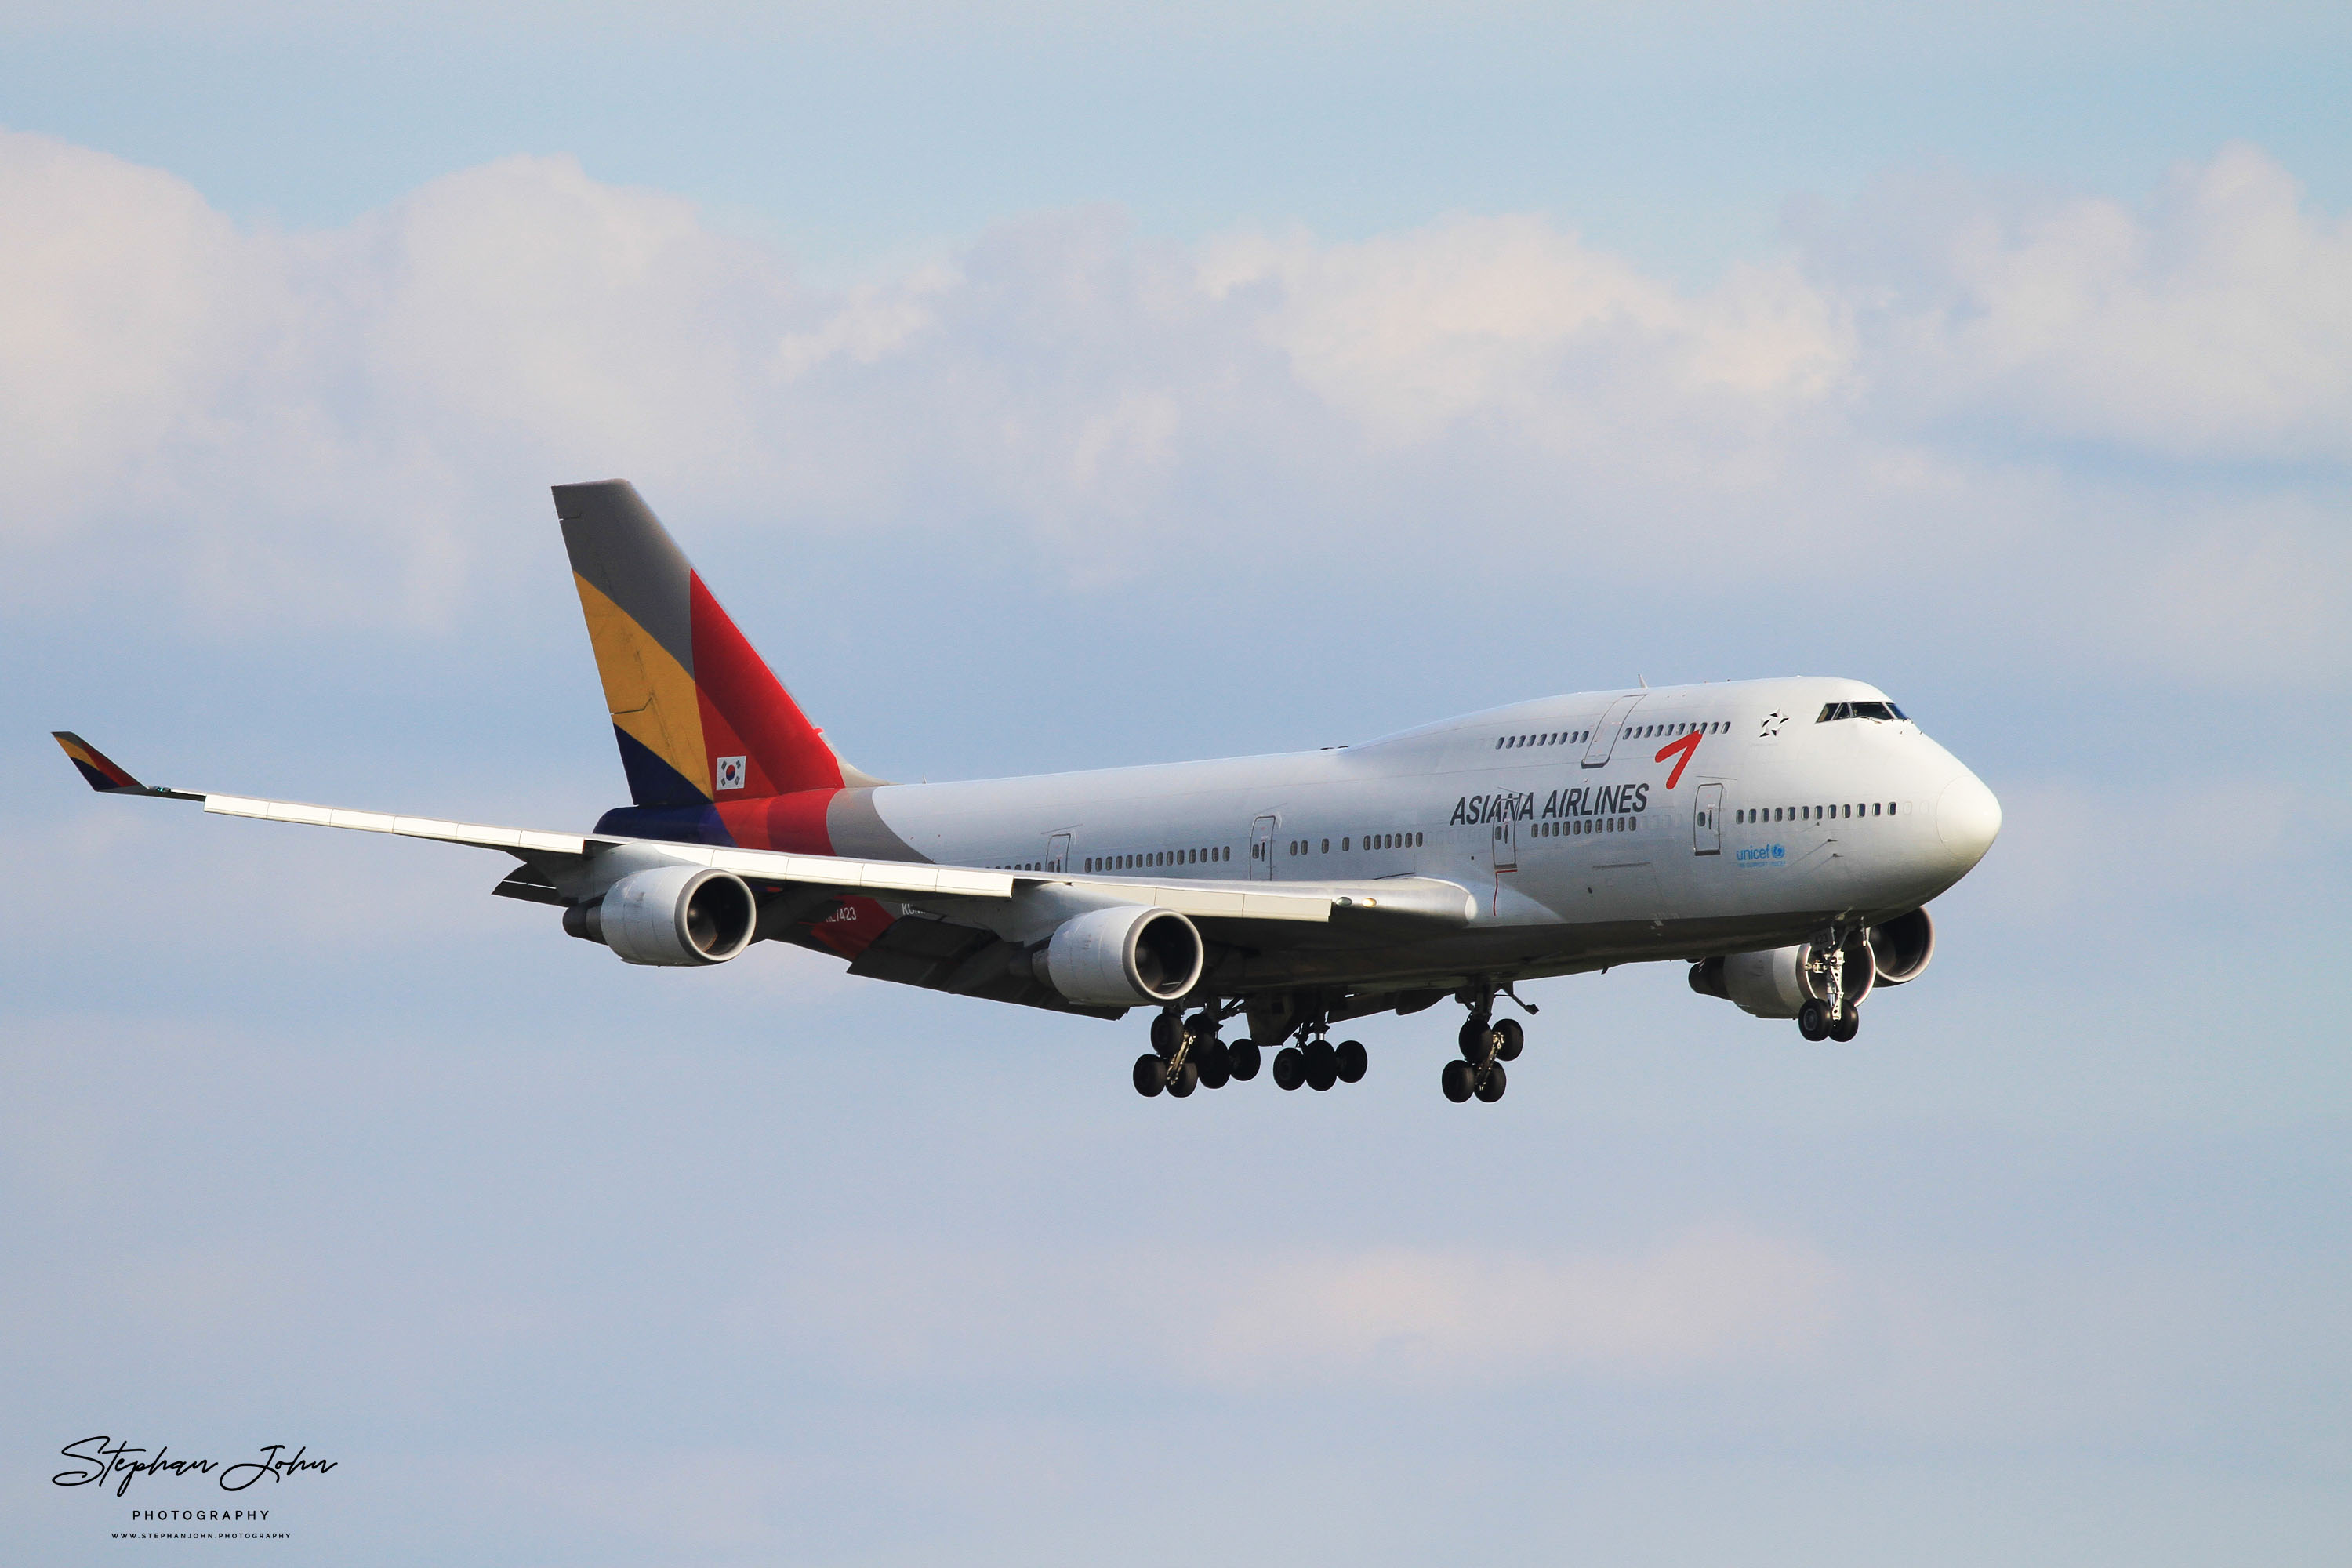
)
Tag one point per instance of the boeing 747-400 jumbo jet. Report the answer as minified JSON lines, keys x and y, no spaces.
{"x":1780,"y":837}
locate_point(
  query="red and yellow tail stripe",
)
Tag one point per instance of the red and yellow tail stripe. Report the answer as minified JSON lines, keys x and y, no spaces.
{"x":699,"y":716}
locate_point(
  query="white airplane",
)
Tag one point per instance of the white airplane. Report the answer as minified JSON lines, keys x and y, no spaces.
{"x":1780,"y":837}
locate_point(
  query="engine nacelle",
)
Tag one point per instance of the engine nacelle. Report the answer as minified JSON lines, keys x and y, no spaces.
{"x":1125,"y":956}
{"x":670,"y":915}
{"x":1776,"y":982}
{"x":1904,"y":946}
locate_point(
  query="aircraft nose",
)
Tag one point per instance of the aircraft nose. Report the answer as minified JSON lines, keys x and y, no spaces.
{"x":1968,"y":818}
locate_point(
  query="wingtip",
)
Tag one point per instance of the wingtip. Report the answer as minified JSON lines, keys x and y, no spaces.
{"x":102,"y":772}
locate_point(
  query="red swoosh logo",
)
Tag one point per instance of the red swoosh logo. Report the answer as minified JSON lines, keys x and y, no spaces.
{"x":1687,"y":746}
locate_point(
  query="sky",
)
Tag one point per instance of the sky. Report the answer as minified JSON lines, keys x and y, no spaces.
{"x":1047,"y":387}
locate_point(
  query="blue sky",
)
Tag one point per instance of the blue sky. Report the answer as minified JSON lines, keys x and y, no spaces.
{"x":1048,"y":388}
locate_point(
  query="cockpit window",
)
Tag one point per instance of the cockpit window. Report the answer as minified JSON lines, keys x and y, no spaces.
{"x":1858,"y":710}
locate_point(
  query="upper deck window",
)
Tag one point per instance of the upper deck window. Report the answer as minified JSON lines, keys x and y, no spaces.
{"x":1858,"y":710}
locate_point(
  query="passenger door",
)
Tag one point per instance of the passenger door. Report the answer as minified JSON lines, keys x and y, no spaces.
{"x":1505,"y":844}
{"x":1604,"y":734}
{"x":1057,"y":853}
{"x":1707,"y":820}
{"x":1261,"y":863}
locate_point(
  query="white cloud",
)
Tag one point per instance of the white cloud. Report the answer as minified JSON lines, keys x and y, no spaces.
{"x":1486,"y":318}
{"x":2217,"y":324}
{"x":356,"y":425}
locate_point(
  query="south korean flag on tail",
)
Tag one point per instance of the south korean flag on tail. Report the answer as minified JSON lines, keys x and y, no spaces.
{"x":730,"y":773}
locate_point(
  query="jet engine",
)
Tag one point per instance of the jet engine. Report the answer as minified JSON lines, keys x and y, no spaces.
{"x":1904,"y":946}
{"x":1125,"y":956}
{"x":670,"y":915}
{"x":1776,"y":982}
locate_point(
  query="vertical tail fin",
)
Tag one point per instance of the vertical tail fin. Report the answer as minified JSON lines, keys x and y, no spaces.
{"x":699,"y":716}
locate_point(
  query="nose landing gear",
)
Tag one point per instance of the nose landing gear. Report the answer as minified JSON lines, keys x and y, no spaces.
{"x":1834,"y":1015}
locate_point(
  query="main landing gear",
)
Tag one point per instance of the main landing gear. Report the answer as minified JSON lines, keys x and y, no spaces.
{"x":1319,"y":1064}
{"x":1487,"y":1043}
{"x":1186,"y":1053}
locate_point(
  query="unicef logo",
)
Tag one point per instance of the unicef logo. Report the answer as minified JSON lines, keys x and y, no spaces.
{"x":1763,"y":855}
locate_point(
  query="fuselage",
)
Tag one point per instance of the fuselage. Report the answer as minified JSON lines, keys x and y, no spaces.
{"x":1593,"y":828}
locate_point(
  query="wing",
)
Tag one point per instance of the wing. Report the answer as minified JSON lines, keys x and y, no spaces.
{"x":567,"y":867}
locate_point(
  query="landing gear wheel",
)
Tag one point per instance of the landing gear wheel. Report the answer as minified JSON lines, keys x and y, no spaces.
{"x":1813,"y":1021}
{"x":1848,"y":1026}
{"x":1322,"y":1066}
{"x":1151,"y":1074}
{"x":1242,"y":1055}
{"x":1216,"y":1065}
{"x":1351,"y":1061}
{"x":1458,"y":1080}
{"x":1163,"y":1035}
{"x":1475,"y":1031}
{"x":1184,"y":1080}
{"x":1514,"y":1039}
{"x":1491,"y":1087}
{"x":1289,"y":1067}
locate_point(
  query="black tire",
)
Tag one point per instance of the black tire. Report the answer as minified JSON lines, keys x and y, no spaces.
{"x":1491,"y":1087}
{"x":1813,"y":1021}
{"x":1322,"y":1066}
{"x":1351,"y":1061}
{"x":1215,"y":1066}
{"x":1289,"y":1067}
{"x":1243,"y":1054}
{"x":1151,"y":1074}
{"x":1458,"y":1080}
{"x":1514,"y":1040}
{"x":1473,"y":1037}
{"x":1848,"y":1026}
{"x":1184,"y":1080}
{"x":1163,"y":1035}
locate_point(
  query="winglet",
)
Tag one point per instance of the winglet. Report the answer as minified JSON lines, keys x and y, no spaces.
{"x":104,"y":773}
